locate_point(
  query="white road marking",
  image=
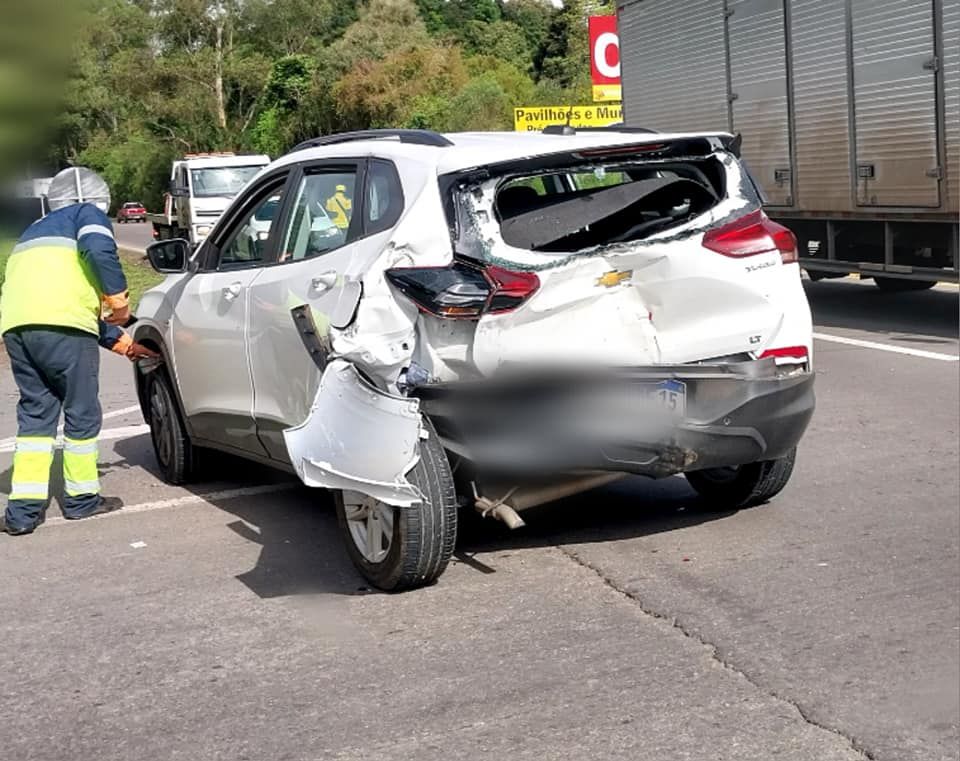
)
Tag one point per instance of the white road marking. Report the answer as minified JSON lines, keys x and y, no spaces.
{"x":107,"y":434}
{"x":188,"y":499}
{"x":6,"y":445}
{"x":121,"y":412}
{"x":887,"y":347}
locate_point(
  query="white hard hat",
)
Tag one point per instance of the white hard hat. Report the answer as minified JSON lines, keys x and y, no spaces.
{"x":78,"y":184}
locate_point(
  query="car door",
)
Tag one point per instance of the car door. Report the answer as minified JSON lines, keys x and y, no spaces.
{"x":209,"y":324}
{"x":331,"y":231}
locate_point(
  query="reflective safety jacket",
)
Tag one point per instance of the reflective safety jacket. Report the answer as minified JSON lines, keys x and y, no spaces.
{"x":60,"y":271}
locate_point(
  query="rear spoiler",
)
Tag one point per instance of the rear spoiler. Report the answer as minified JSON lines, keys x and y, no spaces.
{"x":733,"y":144}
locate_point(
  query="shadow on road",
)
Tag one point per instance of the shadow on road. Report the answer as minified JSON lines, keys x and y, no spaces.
{"x":862,"y":306}
{"x":627,"y":509}
{"x":295,"y":527}
{"x":302,"y":551}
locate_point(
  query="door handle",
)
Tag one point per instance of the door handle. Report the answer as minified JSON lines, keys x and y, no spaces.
{"x":324,"y":281}
{"x":230,"y":292}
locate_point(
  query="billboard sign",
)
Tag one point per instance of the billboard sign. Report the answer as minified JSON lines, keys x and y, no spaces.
{"x":605,"y":58}
{"x":535,"y":118}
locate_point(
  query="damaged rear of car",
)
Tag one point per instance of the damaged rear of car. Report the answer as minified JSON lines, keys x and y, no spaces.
{"x":604,"y":311}
{"x":524,"y":317}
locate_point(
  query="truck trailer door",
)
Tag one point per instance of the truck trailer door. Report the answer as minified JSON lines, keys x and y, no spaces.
{"x":894,"y":73}
{"x":759,"y":93}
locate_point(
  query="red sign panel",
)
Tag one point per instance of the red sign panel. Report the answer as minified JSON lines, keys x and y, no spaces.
{"x":604,"y":50}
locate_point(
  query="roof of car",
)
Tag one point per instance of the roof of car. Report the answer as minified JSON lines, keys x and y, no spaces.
{"x":471,"y":149}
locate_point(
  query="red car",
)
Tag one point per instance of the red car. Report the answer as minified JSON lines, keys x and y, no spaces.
{"x":131,"y":212}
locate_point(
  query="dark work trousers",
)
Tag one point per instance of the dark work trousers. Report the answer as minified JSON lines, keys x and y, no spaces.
{"x":54,"y":368}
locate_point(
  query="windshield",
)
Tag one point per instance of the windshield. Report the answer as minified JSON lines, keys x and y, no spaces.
{"x":222,"y":180}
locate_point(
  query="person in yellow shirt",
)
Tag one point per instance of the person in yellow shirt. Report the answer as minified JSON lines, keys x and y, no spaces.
{"x":340,"y":207}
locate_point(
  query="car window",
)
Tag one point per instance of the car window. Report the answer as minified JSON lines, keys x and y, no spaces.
{"x":384,"y":197}
{"x":599,"y":178}
{"x":322,"y":217}
{"x":248,"y":241}
{"x":536,"y":183}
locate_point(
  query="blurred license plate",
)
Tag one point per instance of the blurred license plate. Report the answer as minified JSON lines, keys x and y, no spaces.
{"x":669,"y":396}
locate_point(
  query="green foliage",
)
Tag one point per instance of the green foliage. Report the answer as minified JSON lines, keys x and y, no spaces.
{"x":500,"y":39}
{"x":152,"y":79}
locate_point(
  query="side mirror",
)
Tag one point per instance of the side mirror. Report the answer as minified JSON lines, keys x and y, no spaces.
{"x":169,"y":256}
{"x":178,"y":191}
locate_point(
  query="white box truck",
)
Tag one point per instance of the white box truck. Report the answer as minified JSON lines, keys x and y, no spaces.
{"x":849,"y":112}
{"x":202,"y":185}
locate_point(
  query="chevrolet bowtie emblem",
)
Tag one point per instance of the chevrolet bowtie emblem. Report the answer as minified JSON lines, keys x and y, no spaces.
{"x":614,"y":277}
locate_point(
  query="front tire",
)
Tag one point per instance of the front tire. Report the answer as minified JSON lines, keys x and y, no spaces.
{"x":171,"y":445}
{"x":744,"y":485}
{"x":399,"y":548}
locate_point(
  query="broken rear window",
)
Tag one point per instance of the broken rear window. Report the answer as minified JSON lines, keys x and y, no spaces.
{"x":587,"y":206}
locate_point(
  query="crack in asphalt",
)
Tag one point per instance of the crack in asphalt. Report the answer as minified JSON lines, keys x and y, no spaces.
{"x":715,"y":653}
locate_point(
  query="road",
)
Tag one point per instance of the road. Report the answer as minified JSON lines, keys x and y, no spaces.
{"x":225,"y":621}
{"x":135,"y":236}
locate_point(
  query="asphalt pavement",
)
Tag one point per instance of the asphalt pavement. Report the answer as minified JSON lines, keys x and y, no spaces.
{"x":224,"y":621}
{"x":135,"y":236}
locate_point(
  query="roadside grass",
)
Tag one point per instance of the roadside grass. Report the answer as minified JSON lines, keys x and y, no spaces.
{"x":140,"y":275}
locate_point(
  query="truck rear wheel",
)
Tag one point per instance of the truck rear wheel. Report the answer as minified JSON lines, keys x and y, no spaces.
{"x":743,"y":485}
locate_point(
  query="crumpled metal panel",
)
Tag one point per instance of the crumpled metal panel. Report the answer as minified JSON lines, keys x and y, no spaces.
{"x":357,"y":437}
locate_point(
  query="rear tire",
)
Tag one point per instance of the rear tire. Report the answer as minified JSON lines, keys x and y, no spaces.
{"x":399,"y":548}
{"x":744,"y":485}
{"x":895,"y":285}
{"x":171,"y":445}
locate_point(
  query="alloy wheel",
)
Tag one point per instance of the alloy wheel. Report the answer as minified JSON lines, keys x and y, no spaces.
{"x":371,"y":525}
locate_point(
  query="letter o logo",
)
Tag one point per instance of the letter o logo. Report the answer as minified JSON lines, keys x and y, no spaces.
{"x":604,"y":41}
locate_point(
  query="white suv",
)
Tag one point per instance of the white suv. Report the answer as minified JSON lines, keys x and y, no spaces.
{"x":488,"y":321}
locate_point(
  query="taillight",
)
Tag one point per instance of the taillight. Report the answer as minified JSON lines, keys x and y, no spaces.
{"x":752,"y":234}
{"x":463,"y":290}
{"x":786,"y":352}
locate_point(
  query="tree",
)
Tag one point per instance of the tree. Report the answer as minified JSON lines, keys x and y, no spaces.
{"x":501,"y":39}
{"x":566,"y":53}
{"x":150,"y":79}
{"x":384,"y":27}
{"x":419,"y":82}
{"x":280,"y":28}
{"x":534,"y":18}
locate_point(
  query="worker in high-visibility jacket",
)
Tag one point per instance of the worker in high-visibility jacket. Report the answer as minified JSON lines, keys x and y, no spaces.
{"x":61,"y":273}
{"x":340,"y":207}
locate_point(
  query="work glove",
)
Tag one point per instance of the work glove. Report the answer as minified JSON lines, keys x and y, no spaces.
{"x":138,"y":351}
{"x":119,"y":316}
{"x":115,"y":309}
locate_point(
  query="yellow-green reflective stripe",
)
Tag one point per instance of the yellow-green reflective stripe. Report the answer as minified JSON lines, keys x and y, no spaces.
{"x":87,"y":446}
{"x":28,"y":490}
{"x":80,"y":467}
{"x":31,"y":467}
{"x":33,"y":445}
{"x":76,"y":488}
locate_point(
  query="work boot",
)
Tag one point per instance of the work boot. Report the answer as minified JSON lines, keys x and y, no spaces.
{"x":21,"y":530}
{"x":105,"y":505}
